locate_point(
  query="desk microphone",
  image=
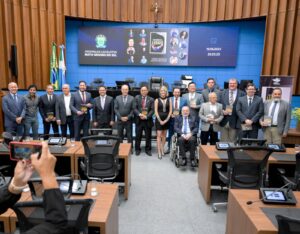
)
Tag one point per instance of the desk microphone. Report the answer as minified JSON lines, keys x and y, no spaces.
{"x":271,"y":194}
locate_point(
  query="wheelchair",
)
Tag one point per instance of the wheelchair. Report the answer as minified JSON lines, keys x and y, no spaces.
{"x":174,"y":153}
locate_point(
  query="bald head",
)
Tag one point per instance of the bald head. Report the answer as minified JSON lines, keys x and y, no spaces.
{"x":66,"y":89}
{"x":212,"y":97}
{"x":185,"y":111}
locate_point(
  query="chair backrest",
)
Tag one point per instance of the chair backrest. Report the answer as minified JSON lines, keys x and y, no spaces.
{"x":31,"y":213}
{"x":247,"y":166}
{"x":288,"y":225}
{"x":156,"y":83}
{"x":297,"y":171}
{"x":101,"y":161}
{"x":252,"y":141}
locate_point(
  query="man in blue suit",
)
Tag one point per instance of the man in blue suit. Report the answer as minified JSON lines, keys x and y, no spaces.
{"x":81,"y":103}
{"x":14,"y":108}
{"x":186,"y":126}
{"x":177,"y":104}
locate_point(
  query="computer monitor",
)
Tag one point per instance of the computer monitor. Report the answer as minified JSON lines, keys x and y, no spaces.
{"x":120,"y":83}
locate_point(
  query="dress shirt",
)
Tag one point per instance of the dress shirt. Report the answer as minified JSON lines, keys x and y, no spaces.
{"x":50,"y":97}
{"x":178,"y":102}
{"x":191,"y":96}
{"x":275,"y":117}
{"x":188,"y":130}
{"x":248,"y":99}
{"x":67,"y":99}
{"x":234,"y":93}
{"x":213,"y":108}
{"x":102,"y":101}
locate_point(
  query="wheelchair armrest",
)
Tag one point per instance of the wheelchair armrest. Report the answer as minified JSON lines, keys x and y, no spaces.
{"x":4,"y":167}
{"x":83,"y":166}
{"x":222,"y":174}
{"x":281,"y":171}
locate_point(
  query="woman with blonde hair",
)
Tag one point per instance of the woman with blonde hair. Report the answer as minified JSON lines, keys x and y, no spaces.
{"x":163,"y":111}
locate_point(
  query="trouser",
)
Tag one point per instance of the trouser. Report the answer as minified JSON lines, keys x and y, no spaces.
{"x":47,"y":126}
{"x":272,"y":136}
{"x":140,"y":127}
{"x":15,"y":129}
{"x":69,"y":123}
{"x":228,"y":134}
{"x":171,"y":131}
{"x":213,"y":136}
{"x":190,"y":144}
{"x":31,"y":122}
{"x":250,"y":134}
{"x":81,"y":124}
{"x":128,"y":127}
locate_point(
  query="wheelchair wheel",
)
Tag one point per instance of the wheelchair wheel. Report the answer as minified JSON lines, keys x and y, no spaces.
{"x":173,"y":148}
{"x":177,"y":162}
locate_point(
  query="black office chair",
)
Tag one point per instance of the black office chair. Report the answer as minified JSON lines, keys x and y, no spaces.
{"x":155,"y":83}
{"x":101,"y":161}
{"x":252,"y":141}
{"x":294,"y":181}
{"x":3,"y":179}
{"x":288,"y":225}
{"x":246,"y":169}
{"x":31,"y":213}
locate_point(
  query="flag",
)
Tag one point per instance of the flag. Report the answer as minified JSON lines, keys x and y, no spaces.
{"x":61,"y":66}
{"x":53,"y":68}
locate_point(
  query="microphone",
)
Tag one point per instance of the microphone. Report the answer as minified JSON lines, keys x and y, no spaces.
{"x":271,"y":194}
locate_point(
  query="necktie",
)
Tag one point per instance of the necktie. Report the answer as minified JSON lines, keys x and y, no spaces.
{"x":185,"y":126}
{"x":176,"y":103}
{"x":102,"y":102}
{"x":273,"y":110}
{"x":15,"y":98}
{"x":143,"y":102}
{"x":83,"y":97}
{"x":250,"y":101}
{"x":124,"y":99}
{"x":50,"y":98}
{"x":231,"y":98}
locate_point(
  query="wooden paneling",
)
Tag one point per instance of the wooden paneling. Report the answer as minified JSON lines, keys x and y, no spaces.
{"x":34,"y":24}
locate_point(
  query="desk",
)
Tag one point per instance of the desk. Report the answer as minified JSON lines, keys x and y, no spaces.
{"x":208,"y":157}
{"x":250,"y":219}
{"x":293,"y":137}
{"x":124,"y":154}
{"x":104,"y":213}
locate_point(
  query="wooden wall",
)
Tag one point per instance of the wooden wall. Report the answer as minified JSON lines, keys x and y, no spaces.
{"x":33,"y":24}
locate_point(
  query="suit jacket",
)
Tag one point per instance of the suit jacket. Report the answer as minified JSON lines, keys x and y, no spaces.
{"x":199,"y":100}
{"x":193,"y":123}
{"x":254,"y":112}
{"x":205,"y":93}
{"x":76,"y":102}
{"x":106,"y":114}
{"x":284,"y":115}
{"x":122,"y":110}
{"x":204,"y":111}
{"x":60,"y":109}
{"x":182,"y":103}
{"x":45,"y":106}
{"x":13,"y":109}
{"x":224,"y":100}
{"x":138,"y":109}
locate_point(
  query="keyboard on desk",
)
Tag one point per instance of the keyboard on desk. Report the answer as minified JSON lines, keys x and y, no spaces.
{"x":58,"y":149}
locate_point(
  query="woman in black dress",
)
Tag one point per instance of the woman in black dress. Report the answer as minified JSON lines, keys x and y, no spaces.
{"x":163,"y":111}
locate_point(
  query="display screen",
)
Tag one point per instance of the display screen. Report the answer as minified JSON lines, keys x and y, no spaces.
{"x":202,"y":46}
{"x":271,"y":195}
{"x":24,"y":151}
{"x":54,"y":140}
{"x":274,"y":146}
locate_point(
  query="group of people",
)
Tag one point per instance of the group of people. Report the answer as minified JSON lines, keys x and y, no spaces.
{"x":232,"y":112}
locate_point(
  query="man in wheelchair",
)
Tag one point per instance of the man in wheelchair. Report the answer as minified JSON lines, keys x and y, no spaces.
{"x":186,"y":127}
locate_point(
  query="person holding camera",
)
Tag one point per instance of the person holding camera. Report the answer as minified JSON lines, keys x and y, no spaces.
{"x":54,"y":205}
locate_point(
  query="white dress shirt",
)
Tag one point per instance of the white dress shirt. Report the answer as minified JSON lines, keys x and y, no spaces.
{"x":67,"y":99}
{"x":275,"y":117}
{"x":188,"y":130}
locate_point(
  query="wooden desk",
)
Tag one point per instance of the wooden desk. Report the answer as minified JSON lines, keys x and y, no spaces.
{"x":249,"y":219}
{"x":208,"y":157}
{"x":104,"y":213}
{"x":124,"y":154}
{"x":293,"y":137}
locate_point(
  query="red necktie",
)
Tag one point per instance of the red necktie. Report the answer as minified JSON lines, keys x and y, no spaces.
{"x":176,"y":103}
{"x":83,"y":97}
{"x":143,"y":102}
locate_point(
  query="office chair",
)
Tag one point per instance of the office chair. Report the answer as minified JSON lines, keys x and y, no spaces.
{"x":101,"y":161}
{"x":288,"y":225}
{"x":251,"y":141}
{"x":31,"y":213}
{"x":294,"y":181}
{"x":155,"y":83}
{"x":3,"y":180}
{"x":246,"y":169}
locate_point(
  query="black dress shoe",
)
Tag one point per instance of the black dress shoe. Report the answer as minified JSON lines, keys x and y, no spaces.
{"x":137,"y":152}
{"x":183,"y":162}
{"x":193,"y":163}
{"x":149,"y":153}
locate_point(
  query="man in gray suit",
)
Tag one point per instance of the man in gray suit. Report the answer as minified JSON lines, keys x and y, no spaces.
{"x":13,"y":106}
{"x":249,"y":109}
{"x":276,"y":119}
{"x":229,"y":99}
{"x":211,"y":114}
{"x":211,"y":83}
{"x":194,"y":100}
{"x":81,"y":103}
{"x":124,"y":106}
{"x":64,"y":116}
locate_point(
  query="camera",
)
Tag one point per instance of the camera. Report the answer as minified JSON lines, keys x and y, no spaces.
{"x":23,"y":150}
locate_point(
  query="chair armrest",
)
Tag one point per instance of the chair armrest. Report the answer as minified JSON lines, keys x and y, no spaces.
{"x":218,"y":166}
{"x":222,"y":174}
{"x":281,"y":171}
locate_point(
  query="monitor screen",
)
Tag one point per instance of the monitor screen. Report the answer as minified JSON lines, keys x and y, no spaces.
{"x":273,"y":195}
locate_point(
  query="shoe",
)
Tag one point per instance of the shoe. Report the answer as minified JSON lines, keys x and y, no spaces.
{"x":137,"y":152}
{"x":183,"y":162}
{"x":159,"y":156}
{"x":193,"y":163}
{"x":167,"y":151}
{"x":162,"y":153}
{"x":149,"y":153}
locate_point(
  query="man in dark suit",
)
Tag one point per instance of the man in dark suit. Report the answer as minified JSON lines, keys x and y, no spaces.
{"x":211,"y":87}
{"x":103,"y":110}
{"x":278,"y":112}
{"x":81,"y":103}
{"x":64,"y":116}
{"x":229,"y":98}
{"x":14,"y":108}
{"x":48,"y":112}
{"x":249,"y":109}
{"x":186,"y":126}
{"x":143,"y":111}
{"x":124,"y":106}
{"x":177,"y":104}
